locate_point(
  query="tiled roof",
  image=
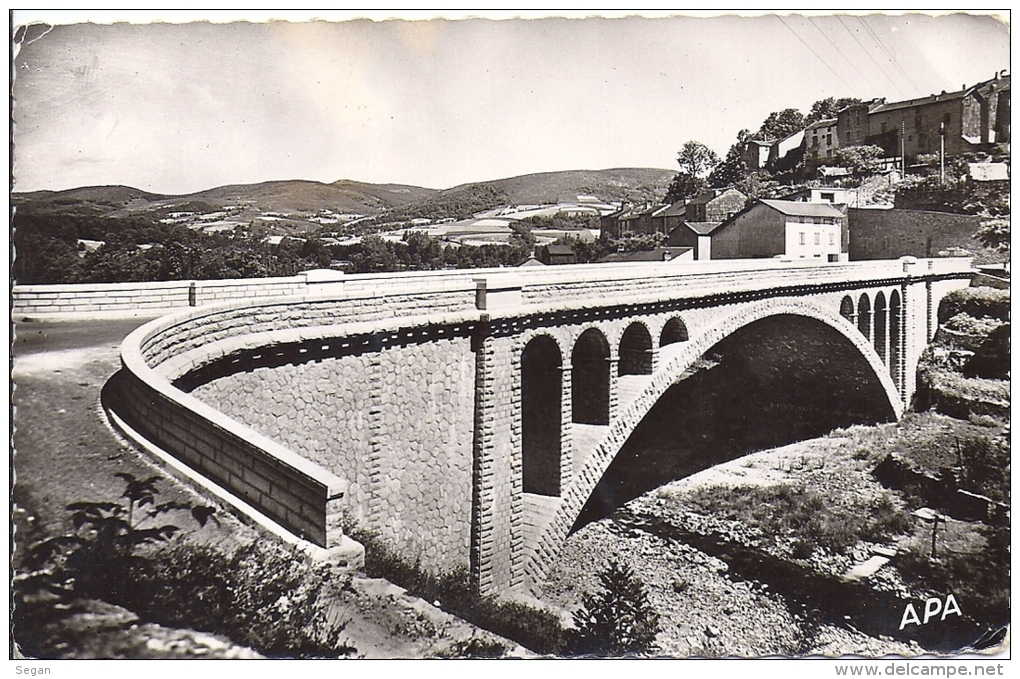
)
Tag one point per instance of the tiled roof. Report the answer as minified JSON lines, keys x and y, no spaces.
{"x":656,"y":255}
{"x":921,"y":101}
{"x":794,"y":208}
{"x":702,"y":228}
{"x":677,"y":209}
{"x":821,"y":123}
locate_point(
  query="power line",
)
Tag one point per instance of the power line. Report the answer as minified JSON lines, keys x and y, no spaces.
{"x":867,"y":53}
{"x":892,"y":59}
{"x":824,"y":62}
{"x":840,"y":52}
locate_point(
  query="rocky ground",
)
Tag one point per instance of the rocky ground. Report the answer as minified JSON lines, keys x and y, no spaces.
{"x":705,"y":609}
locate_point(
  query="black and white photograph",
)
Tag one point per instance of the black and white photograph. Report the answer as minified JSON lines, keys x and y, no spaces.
{"x":406,"y":335}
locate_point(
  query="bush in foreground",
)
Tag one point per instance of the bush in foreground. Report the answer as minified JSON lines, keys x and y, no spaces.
{"x":616,"y":620}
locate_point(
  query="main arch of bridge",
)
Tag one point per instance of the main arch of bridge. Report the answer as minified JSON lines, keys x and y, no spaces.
{"x":587,"y":451}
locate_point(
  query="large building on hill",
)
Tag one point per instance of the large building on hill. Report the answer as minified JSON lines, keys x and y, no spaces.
{"x":821,"y":141}
{"x":974,"y":118}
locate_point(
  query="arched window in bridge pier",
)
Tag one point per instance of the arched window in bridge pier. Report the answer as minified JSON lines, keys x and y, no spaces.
{"x":864,"y":316}
{"x":674,"y":331}
{"x":541,"y":415}
{"x":846,"y":309}
{"x":636,"y":351}
{"x":881,"y":328}
{"x":895,"y":309}
{"x":590,"y":378}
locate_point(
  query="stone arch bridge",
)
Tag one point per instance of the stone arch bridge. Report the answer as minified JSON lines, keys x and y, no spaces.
{"x":465,"y":418}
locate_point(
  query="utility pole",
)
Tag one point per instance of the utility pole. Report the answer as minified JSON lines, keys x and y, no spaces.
{"x":942,"y":153}
{"x":903,"y":153}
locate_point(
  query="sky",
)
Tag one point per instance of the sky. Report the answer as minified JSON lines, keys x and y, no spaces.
{"x":181,"y":107}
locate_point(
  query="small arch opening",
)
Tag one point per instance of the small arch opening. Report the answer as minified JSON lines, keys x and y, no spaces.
{"x":895,"y":323}
{"x":881,"y":328}
{"x":674,"y":331}
{"x":846,"y":309}
{"x":541,"y":414}
{"x":590,"y":378}
{"x":864,"y":315}
{"x":636,"y":351}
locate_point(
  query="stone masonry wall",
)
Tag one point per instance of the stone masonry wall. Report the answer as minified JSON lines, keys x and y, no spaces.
{"x":397,"y":424}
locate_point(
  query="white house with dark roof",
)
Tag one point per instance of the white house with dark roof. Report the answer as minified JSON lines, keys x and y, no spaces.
{"x":783,"y":228}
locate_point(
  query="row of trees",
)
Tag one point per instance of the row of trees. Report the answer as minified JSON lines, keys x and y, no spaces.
{"x":48,"y":250}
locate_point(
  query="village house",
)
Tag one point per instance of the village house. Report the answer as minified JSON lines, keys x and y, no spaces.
{"x":694,"y":235}
{"x":782,"y":228}
{"x":821,"y":140}
{"x":667,"y":218}
{"x":974,"y":118}
{"x":767,"y":155}
{"x":715,"y":205}
{"x":821,"y":194}
{"x":629,"y":221}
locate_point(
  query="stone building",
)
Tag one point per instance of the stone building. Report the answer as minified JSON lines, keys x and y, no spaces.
{"x":629,"y":221}
{"x":781,"y":228}
{"x":716,"y":205}
{"x":821,"y":140}
{"x":974,"y":118}
{"x":695,"y":235}
{"x":667,"y":218}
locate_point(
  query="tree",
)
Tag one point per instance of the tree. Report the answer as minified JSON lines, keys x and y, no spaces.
{"x":695,"y":160}
{"x":685,"y":187}
{"x":731,"y":170}
{"x":780,"y":125}
{"x":616,"y":620}
{"x":994,"y":233}
{"x":861,"y":160}
{"x":828,"y":108}
{"x":758,"y":185}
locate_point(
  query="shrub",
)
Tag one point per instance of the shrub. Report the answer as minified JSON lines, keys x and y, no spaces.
{"x":261,"y":595}
{"x":616,"y":620}
{"x":981,"y":302}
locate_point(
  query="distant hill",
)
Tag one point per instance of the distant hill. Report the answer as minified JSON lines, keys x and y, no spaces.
{"x":635,"y":185}
{"x":280,"y":196}
{"x":301,"y":200}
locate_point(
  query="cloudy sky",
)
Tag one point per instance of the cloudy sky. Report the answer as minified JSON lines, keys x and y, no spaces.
{"x":180,"y":107}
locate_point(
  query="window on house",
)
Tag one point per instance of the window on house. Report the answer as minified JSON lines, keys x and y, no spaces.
{"x":828,"y":153}
{"x":832,"y":238}
{"x":828,"y":139}
{"x":802,"y":242}
{"x":831,"y":197}
{"x":818,"y":238}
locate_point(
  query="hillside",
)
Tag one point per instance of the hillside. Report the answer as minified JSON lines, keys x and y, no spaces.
{"x":292,"y":206}
{"x":620,"y":184}
{"x":281,"y":196}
